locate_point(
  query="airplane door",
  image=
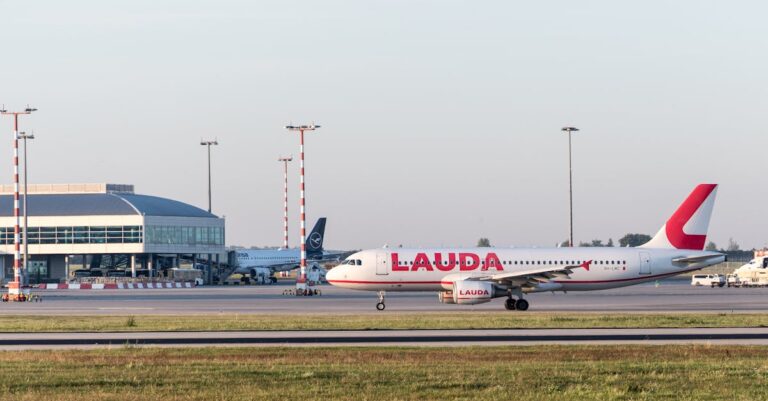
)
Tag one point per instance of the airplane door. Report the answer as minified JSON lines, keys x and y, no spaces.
{"x":381,"y":264}
{"x":645,"y":263}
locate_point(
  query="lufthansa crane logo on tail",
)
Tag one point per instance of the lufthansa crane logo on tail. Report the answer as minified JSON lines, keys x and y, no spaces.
{"x":315,"y":240}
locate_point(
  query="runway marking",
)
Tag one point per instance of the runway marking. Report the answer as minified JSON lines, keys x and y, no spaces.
{"x":126,"y":308}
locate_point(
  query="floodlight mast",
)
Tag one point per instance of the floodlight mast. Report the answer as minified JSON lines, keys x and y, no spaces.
{"x":570,"y":183}
{"x":285,"y":161}
{"x":16,"y":289}
{"x":209,"y":143}
{"x":301,"y":281}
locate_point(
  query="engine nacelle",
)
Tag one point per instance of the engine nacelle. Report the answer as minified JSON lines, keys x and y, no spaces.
{"x":475,"y":292}
{"x":445,"y":297}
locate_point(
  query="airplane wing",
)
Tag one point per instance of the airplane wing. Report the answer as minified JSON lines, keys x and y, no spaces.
{"x":533,"y":277}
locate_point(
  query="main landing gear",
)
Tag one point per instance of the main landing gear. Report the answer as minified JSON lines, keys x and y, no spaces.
{"x":380,"y":305}
{"x":516,"y":304}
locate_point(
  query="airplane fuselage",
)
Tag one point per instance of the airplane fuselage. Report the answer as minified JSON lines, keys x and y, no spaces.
{"x":267,"y":258}
{"x":437,"y":269}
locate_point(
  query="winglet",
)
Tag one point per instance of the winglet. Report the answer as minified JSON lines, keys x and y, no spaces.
{"x":586,"y":264}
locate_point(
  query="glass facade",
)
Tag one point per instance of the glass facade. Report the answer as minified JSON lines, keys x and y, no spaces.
{"x":184,"y":235}
{"x":77,"y":235}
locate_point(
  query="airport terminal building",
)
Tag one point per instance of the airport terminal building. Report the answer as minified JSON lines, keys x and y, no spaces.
{"x":105,"y":226}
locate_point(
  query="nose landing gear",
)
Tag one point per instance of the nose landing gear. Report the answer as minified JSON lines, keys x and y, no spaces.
{"x":380,"y":305}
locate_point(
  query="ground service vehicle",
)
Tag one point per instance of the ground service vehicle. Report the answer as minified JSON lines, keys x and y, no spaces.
{"x":712,"y":280}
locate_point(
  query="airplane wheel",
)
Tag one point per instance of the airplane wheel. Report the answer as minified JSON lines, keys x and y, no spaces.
{"x":521,"y":304}
{"x":380,"y":306}
{"x":510,"y":304}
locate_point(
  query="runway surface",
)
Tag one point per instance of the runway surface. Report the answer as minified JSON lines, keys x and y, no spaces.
{"x":742,"y":336}
{"x":668,"y":296}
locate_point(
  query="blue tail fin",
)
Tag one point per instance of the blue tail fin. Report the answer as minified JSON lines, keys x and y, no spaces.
{"x":315,"y":239}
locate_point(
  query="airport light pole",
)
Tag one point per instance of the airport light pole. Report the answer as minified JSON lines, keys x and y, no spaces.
{"x":285,"y":161}
{"x":16,"y":290}
{"x":301,"y":282}
{"x":569,"y":130}
{"x":25,"y":136}
{"x":209,"y":144}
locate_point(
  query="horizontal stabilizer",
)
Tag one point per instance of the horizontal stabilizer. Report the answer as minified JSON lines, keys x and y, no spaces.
{"x":696,"y":259}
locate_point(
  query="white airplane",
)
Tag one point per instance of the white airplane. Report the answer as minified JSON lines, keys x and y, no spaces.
{"x":477,"y":275}
{"x":266,"y":262}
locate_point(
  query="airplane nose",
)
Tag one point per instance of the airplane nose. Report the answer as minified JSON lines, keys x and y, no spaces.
{"x":333,"y":274}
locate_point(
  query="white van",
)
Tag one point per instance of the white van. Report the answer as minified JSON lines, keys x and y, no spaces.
{"x":711,"y":280}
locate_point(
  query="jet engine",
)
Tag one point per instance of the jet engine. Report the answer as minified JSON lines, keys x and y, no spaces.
{"x":445,"y":297}
{"x":475,"y":292}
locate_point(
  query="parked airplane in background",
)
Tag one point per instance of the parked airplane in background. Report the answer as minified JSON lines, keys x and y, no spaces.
{"x":267,"y":262}
{"x":477,"y":275}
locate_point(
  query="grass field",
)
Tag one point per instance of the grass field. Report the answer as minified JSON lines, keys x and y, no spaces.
{"x":499,"y":373}
{"x":382,"y":321}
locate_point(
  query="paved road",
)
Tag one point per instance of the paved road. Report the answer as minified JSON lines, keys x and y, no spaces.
{"x":10,"y":341}
{"x":668,"y":296}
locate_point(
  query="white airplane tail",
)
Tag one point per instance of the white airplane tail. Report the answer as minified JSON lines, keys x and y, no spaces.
{"x":687,"y":228}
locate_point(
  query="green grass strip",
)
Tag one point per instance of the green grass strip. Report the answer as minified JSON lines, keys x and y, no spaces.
{"x":485,"y":373}
{"x":375,"y":321}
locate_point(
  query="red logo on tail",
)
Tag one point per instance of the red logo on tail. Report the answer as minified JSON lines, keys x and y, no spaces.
{"x":675,"y":234}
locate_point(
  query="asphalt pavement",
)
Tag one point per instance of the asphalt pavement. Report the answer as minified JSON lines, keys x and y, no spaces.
{"x":665,"y":296}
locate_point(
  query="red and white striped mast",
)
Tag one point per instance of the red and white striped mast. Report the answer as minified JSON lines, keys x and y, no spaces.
{"x":16,"y":288}
{"x":301,"y":281}
{"x":285,"y":161}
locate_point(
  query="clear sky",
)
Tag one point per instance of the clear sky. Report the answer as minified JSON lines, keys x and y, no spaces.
{"x":441,"y":119}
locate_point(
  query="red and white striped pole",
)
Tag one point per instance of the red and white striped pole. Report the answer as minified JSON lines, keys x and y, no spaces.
{"x":285,"y":161}
{"x":16,"y":211}
{"x":301,"y":282}
{"x":15,"y":287}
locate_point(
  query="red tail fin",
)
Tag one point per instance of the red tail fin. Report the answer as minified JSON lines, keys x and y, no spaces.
{"x":687,"y":228}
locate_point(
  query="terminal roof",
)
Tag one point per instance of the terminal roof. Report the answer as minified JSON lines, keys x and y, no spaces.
{"x":101,"y":204}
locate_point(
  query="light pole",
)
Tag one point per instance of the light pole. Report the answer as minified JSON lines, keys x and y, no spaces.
{"x":301,"y":282}
{"x":208,"y":144}
{"x":285,"y":161}
{"x":570,"y":183}
{"x":25,"y":136}
{"x":15,"y":288}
